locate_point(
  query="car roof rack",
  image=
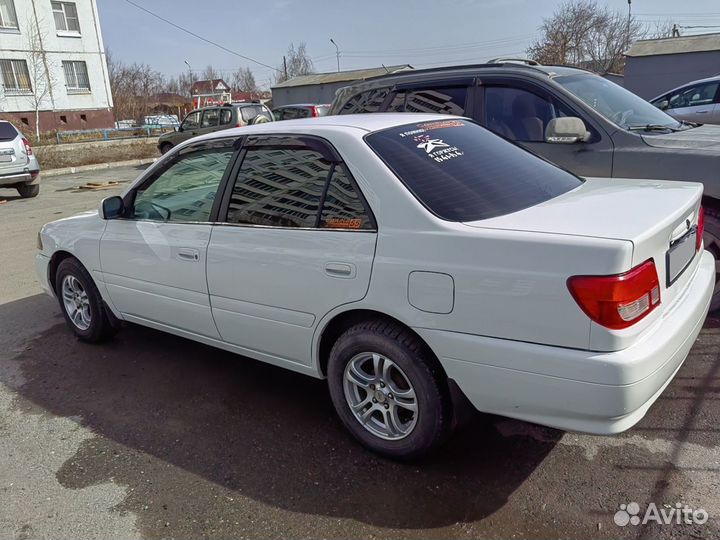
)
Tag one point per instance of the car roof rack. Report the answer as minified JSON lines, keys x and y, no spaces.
{"x":513,"y":60}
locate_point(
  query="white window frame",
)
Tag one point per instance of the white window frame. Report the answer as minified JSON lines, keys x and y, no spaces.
{"x":11,"y":26}
{"x":14,"y":67}
{"x":61,"y":9}
{"x":73,"y":86}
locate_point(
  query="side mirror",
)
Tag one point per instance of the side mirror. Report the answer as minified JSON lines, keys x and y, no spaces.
{"x":663,"y":105}
{"x":566,"y":130}
{"x":111,"y":207}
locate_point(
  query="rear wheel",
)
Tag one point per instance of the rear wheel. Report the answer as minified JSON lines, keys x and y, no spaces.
{"x":28,"y":191}
{"x":81,"y":303}
{"x":165,"y":148}
{"x":711,"y":239}
{"x":388,"y":390}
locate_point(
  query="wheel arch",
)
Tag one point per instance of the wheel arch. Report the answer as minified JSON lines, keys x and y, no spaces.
{"x":55,"y":260}
{"x":340,"y":322}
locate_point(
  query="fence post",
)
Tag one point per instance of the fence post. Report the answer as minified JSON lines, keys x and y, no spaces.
{"x":57,"y":137}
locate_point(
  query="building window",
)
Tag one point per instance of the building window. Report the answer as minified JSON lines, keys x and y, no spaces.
{"x":76,"y":76}
{"x":63,"y":119}
{"x":15,"y":76}
{"x":66,"y":18}
{"x":8,"y":17}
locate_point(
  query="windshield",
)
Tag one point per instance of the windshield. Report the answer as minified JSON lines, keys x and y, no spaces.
{"x":615,"y":103}
{"x":462,"y":172}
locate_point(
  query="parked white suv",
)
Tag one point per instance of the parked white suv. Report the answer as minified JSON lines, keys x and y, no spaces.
{"x":19,"y":168}
{"x":404,"y":257}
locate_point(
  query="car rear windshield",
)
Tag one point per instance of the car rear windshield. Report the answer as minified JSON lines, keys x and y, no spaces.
{"x":462,"y":172}
{"x":7,"y":131}
{"x":250,"y":112}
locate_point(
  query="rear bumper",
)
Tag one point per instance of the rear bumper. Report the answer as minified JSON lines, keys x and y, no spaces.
{"x":571,"y":389}
{"x":21,"y":177}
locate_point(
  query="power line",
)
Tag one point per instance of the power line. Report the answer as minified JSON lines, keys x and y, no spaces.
{"x":206,"y":40}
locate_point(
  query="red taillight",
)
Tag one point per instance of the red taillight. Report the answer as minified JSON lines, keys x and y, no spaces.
{"x":621,"y":300}
{"x":313,"y":111}
{"x":28,"y":148}
{"x":239,"y":124}
{"x":700,"y":228}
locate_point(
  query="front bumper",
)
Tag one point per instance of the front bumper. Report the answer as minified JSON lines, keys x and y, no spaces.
{"x":41,"y":268}
{"x":594,"y":392}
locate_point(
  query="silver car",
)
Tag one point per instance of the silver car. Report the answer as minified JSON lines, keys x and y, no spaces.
{"x":698,"y":101}
{"x":19,"y":167}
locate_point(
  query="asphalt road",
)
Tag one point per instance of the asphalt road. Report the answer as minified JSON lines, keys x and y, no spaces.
{"x":154,"y":436}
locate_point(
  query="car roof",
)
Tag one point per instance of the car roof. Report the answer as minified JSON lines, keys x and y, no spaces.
{"x":364,"y":123}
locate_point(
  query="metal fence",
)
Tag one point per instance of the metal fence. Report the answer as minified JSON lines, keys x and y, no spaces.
{"x":111,"y":134}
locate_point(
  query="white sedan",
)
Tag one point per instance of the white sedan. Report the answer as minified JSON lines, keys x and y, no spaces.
{"x":410,"y":260}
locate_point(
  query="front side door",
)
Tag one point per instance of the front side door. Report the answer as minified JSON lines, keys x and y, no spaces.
{"x":297,"y":241}
{"x":521,"y":112}
{"x":153,"y":259}
{"x":189,"y":128}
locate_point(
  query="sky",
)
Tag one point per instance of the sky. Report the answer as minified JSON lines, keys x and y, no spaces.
{"x":369,"y":33}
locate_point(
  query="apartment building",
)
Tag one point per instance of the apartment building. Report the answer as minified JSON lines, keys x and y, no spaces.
{"x":52,"y":60}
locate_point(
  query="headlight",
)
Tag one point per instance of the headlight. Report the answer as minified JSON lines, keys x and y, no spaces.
{"x":39,"y":242}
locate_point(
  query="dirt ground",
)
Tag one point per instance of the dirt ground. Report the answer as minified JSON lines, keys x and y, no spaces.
{"x":154,"y":436}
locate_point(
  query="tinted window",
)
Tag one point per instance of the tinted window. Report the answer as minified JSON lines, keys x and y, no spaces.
{"x":365,"y":102}
{"x":462,"y":172}
{"x":250,"y":112}
{"x":7,"y":131}
{"x":185,"y":191}
{"x":437,"y":100}
{"x":520,"y":115}
{"x":279,"y":184}
{"x":342,"y":207}
{"x":210,"y":118}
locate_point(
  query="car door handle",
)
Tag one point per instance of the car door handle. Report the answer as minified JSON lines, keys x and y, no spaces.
{"x":701,"y":112}
{"x":340,"y":270}
{"x":188,"y":254}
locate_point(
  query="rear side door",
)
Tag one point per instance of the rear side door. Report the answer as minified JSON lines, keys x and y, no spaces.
{"x":296,"y":240}
{"x":210,"y":121}
{"x":521,"y":111}
{"x":153,"y":259}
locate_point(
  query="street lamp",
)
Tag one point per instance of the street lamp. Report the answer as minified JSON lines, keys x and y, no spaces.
{"x":337,"y":53}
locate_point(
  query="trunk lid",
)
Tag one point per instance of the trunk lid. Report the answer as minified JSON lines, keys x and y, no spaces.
{"x":12,"y":155}
{"x":652,"y":214}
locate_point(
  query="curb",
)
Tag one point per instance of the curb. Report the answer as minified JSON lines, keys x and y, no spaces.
{"x":96,"y":167}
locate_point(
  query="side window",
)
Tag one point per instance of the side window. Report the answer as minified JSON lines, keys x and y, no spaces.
{"x":702,"y":94}
{"x":185,"y":190}
{"x":278,"y":114}
{"x":342,"y":207}
{"x":225,"y":116}
{"x":449,"y":100}
{"x":210,"y":118}
{"x":365,"y":102}
{"x":192,"y":120}
{"x":290,"y":182}
{"x":520,"y":115}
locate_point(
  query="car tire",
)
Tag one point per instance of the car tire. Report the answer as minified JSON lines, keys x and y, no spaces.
{"x":81,"y":303}
{"x":406,"y":375}
{"x":711,"y":239}
{"x":165,"y":148}
{"x":27,"y":191}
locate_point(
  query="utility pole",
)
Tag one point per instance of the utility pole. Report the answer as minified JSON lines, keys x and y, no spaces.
{"x":285,"y":68}
{"x":627,"y":38}
{"x":337,"y":53}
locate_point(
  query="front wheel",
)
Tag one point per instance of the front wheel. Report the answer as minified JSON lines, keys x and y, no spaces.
{"x":165,"y":148}
{"x":81,"y":303}
{"x":711,"y":239}
{"x":388,"y":390}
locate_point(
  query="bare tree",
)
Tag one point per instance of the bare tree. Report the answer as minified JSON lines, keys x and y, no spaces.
{"x":243,"y":80}
{"x":210,"y":73}
{"x":133,"y":87}
{"x":297,"y":62}
{"x":41,"y":76}
{"x":581,"y":33}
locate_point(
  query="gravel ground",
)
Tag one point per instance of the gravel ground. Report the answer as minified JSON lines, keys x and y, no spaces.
{"x":154,"y":436}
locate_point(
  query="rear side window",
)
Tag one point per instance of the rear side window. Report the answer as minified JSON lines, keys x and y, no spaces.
{"x":365,"y":102}
{"x":250,"y":112}
{"x":7,"y":131}
{"x":294,"y":182}
{"x":437,"y":100}
{"x":462,"y":172}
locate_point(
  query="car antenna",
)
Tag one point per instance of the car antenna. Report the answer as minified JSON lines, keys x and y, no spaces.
{"x":386,"y":69}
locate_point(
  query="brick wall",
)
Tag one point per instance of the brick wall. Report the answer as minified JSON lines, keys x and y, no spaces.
{"x":62,"y":120}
